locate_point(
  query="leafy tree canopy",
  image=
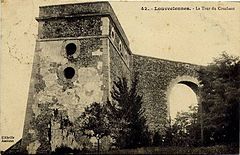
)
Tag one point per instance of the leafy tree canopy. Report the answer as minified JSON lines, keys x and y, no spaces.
{"x":129,"y":112}
{"x":220,"y":93}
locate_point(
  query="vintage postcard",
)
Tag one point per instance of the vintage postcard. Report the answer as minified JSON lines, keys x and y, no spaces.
{"x":119,"y":77}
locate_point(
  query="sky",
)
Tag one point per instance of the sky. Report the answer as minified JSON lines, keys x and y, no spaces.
{"x":189,"y":36}
{"x":181,"y":94}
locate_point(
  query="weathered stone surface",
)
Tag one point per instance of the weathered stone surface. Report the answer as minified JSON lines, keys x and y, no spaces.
{"x":156,"y":77}
{"x":75,"y":9}
{"x":56,"y":100}
{"x":118,"y":67}
{"x":52,"y":91}
{"x":85,"y":26}
{"x":81,"y":10}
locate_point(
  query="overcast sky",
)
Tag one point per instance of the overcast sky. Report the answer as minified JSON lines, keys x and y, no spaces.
{"x":188,"y":36}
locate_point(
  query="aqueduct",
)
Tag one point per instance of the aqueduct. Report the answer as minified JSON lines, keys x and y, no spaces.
{"x":157,"y":78}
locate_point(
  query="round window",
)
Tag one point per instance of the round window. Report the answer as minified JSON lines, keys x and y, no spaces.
{"x":71,"y":49}
{"x":69,"y":72}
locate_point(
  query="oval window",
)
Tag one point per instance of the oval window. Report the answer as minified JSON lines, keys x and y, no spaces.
{"x":69,"y":72}
{"x":71,"y":49}
{"x":112,"y":33}
{"x":120,"y":46}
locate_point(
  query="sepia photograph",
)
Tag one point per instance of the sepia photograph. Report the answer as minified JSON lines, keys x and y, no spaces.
{"x":119,"y":77}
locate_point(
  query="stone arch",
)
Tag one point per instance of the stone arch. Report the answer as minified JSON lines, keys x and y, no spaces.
{"x":191,"y":82}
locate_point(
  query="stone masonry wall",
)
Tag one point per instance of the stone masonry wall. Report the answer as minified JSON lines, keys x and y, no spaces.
{"x":58,"y":99}
{"x":155,"y":76}
{"x":118,"y":68}
{"x":120,"y":56}
{"x":121,"y":46}
{"x":71,"y":27}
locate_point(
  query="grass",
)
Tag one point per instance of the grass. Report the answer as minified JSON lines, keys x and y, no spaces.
{"x":218,"y":149}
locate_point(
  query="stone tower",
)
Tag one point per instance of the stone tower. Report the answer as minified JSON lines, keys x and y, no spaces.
{"x":81,"y":49}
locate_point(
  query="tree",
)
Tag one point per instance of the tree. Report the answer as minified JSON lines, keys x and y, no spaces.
{"x":157,"y":139}
{"x":220,"y":91}
{"x":188,"y":127}
{"x":185,"y":129}
{"x":122,"y":119}
{"x":94,"y":118}
{"x":129,"y":111}
{"x":137,"y":121}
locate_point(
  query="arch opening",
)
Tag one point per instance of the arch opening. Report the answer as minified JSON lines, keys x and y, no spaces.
{"x":191,"y":85}
{"x":182,"y":95}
